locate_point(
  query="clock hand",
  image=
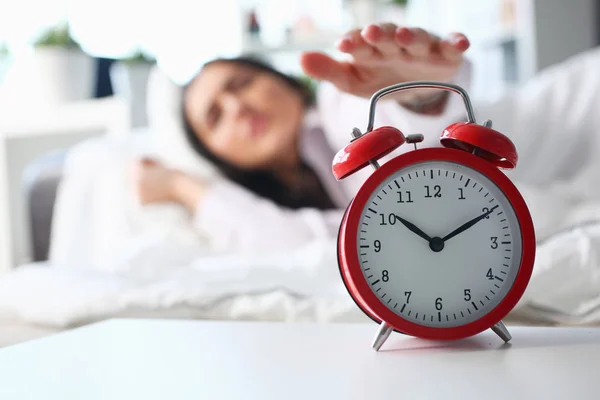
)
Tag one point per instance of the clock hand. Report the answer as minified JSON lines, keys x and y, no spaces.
{"x":467,"y":225}
{"x":412,"y":227}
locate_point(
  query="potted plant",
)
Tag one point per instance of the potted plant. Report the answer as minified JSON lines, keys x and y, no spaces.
{"x":65,"y":72}
{"x":129,"y":78}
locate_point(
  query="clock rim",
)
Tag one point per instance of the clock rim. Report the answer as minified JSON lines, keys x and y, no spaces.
{"x":348,"y":254}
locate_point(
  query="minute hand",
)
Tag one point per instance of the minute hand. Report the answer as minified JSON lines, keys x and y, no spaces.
{"x":467,"y":225}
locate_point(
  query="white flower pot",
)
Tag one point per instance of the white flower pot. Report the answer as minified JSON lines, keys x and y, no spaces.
{"x":130,"y":81}
{"x":63,"y":75}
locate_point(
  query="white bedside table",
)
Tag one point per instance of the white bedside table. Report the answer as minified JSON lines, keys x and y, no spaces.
{"x":169,"y":359}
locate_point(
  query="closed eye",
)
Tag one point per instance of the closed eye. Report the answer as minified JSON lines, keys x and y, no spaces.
{"x":214,"y":115}
{"x":239,"y":82}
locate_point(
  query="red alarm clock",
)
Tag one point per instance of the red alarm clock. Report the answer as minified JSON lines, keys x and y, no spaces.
{"x":438,"y":243}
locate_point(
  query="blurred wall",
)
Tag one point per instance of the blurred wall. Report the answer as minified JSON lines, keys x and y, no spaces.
{"x":598,"y":22}
{"x":562,"y":29}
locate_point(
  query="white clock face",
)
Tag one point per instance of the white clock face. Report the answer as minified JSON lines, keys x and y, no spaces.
{"x":439,"y":244}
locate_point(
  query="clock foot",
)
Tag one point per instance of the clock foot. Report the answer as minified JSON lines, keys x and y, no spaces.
{"x":500,"y":330}
{"x":382,"y":334}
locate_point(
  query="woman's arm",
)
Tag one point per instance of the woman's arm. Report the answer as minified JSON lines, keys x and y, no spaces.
{"x":235,"y":218}
{"x":383,"y":55}
{"x":554,"y":121}
{"x":340,"y":112}
{"x":232,"y":217}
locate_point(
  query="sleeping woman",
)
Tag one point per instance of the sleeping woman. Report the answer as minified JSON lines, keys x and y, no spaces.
{"x":275,"y":143}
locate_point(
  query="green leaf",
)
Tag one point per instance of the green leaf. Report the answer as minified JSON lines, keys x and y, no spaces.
{"x":4,"y":51}
{"x":58,"y":36}
{"x":138,"y":58}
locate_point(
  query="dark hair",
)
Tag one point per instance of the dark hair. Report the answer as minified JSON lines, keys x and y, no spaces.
{"x":263,"y":183}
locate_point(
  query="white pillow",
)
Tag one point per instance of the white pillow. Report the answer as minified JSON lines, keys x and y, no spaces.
{"x":165,"y":123}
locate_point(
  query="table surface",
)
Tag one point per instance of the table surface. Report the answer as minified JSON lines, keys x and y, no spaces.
{"x":163,"y":359}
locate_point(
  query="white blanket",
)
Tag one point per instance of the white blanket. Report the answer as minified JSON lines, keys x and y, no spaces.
{"x":112,"y":257}
{"x":158,"y":265}
{"x":302,"y":285}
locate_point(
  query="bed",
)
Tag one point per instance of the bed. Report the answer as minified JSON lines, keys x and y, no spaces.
{"x":111,"y":257}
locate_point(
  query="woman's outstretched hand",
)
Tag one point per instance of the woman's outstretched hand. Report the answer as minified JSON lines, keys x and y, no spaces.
{"x":385,"y":54}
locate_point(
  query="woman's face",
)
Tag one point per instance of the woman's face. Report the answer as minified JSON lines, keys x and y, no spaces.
{"x":244,"y":116}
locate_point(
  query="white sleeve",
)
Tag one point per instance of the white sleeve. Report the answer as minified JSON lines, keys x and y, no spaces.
{"x":554,"y":120}
{"x":235,"y":219}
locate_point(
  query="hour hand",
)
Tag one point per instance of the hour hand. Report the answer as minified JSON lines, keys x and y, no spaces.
{"x":413,"y":228}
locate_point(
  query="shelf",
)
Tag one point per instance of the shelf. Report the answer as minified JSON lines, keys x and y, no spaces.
{"x":502,"y":38}
{"x":285,"y":48}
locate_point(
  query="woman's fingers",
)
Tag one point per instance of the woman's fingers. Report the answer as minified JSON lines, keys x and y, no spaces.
{"x":383,"y":54}
{"x":421,"y":44}
{"x":354,"y":44}
{"x":459,"y":41}
{"x":415,"y":42}
{"x":322,"y":67}
{"x":388,"y":41}
{"x":148,"y":162}
{"x":141,"y":166}
{"x":381,"y":38}
{"x":453,"y":46}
